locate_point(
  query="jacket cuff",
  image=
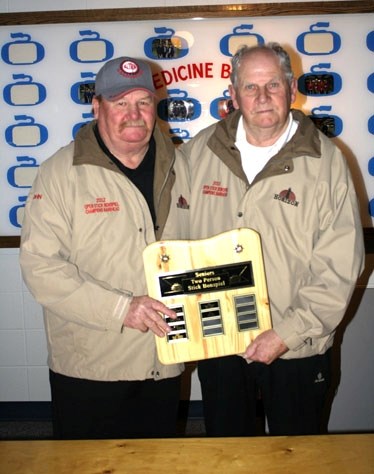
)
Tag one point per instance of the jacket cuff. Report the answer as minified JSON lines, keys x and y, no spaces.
{"x":120,"y":309}
{"x":292,"y":340}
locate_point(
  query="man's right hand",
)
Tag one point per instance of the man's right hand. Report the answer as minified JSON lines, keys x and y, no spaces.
{"x":145,"y":313}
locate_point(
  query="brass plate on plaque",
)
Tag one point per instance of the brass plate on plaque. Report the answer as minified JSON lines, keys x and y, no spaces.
{"x":217,"y":287}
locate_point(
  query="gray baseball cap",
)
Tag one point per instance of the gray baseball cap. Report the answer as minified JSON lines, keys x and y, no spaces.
{"x":123,"y":75}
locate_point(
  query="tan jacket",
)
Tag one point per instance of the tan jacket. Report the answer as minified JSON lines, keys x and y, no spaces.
{"x":83,"y":235}
{"x":304,"y":206}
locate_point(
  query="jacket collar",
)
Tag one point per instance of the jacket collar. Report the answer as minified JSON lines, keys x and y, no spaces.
{"x":305,"y":142}
{"x":88,"y":152}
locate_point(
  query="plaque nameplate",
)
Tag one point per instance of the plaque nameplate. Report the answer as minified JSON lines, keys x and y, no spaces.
{"x":206,"y":280}
{"x":216,"y":287}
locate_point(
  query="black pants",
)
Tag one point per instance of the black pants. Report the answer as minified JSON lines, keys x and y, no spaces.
{"x":293,"y":393}
{"x":86,"y":409}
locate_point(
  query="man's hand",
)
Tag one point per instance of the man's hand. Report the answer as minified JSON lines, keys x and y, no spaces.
{"x":267,"y":347}
{"x":145,"y":313}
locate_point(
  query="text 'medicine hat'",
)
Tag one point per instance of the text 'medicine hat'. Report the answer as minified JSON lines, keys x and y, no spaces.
{"x":123,"y":75}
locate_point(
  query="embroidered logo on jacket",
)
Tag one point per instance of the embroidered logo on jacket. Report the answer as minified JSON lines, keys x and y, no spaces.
{"x":101,"y":205}
{"x":182,"y":203}
{"x":287,"y":196}
{"x":215,"y":189}
{"x":37,"y":196}
{"x":320,"y":378}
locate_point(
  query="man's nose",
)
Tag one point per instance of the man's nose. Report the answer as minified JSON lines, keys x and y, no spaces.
{"x":133,"y":110}
{"x":262,"y":93}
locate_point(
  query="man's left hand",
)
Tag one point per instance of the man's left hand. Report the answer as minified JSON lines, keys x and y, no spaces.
{"x":267,"y":347}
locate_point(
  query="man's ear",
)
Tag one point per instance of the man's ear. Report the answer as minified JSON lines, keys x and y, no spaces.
{"x":293,"y":90}
{"x":95,"y":107}
{"x":232,"y":93}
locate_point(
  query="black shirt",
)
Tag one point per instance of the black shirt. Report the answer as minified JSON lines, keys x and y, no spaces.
{"x":142,"y":176}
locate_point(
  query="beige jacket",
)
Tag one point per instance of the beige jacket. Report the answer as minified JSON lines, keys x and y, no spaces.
{"x":304,"y":206}
{"x":83,"y":235}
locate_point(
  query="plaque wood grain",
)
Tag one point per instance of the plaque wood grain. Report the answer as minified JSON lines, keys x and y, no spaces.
{"x":205,"y":273}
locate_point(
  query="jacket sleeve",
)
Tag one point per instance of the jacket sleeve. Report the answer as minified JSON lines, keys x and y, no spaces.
{"x":54,"y":281}
{"x":337,"y":259}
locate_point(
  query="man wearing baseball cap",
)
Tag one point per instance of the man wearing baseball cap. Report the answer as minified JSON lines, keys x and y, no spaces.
{"x":93,"y":208}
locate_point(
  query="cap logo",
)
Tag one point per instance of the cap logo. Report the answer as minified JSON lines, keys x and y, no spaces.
{"x":129,"y":69}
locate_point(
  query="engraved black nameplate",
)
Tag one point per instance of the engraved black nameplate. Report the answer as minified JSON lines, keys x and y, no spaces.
{"x":207,"y":280}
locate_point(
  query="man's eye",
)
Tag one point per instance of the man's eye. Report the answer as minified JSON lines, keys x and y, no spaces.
{"x":273,"y":85}
{"x":251,"y":89}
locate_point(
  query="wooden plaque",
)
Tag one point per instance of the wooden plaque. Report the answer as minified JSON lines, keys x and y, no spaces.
{"x":217,"y":287}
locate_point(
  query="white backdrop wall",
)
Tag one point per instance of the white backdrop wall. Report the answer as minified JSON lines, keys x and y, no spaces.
{"x":23,"y":371}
